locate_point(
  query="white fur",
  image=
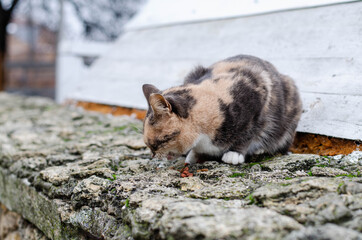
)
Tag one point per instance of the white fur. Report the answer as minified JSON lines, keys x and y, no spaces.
{"x":233,"y":158}
{"x":190,"y":158}
{"x":203,"y":144}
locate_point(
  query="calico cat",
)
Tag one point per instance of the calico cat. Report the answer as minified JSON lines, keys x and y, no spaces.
{"x":237,"y":107}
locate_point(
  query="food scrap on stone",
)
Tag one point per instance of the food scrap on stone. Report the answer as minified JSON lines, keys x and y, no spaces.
{"x":185,"y":171}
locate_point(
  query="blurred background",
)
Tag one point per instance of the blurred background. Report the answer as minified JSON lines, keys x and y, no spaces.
{"x":32,"y":29}
{"x":103,"y":51}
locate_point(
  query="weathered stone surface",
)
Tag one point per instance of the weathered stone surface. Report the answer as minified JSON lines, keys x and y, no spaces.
{"x":13,"y":227}
{"x":9,"y":222}
{"x":327,"y":172}
{"x":76,"y":174}
{"x":328,"y":231}
{"x":292,"y":162}
{"x":188,"y":219}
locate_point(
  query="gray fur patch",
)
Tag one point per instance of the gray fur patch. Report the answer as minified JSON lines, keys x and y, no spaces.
{"x":181,"y":102}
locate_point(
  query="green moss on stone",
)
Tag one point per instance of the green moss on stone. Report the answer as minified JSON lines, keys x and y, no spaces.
{"x":340,"y":186}
{"x":285,"y":184}
{"x":350,"y":175}
{"x":234,"y":175}
{"x":321,"y":165}
{"x":251,"y":199}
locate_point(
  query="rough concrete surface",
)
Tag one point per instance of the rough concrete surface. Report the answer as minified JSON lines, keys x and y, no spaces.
{"x":70,"y":174}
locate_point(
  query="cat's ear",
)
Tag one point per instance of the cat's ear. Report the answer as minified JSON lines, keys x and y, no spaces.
{"x":148,"y":89}
{"x":159,"y":104}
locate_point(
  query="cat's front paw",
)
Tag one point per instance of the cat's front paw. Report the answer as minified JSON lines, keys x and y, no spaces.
{"x":233,"y":158}
{"x":191,"y":158}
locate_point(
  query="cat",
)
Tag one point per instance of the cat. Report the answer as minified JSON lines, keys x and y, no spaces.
{"x":235,"y":108}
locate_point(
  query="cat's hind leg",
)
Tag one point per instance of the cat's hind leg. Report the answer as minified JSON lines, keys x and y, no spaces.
{"x":256,"y":147}
{"x":259,"y":151}
{"x":233,"y":158}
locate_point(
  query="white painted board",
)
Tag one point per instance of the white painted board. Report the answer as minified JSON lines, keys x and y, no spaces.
{"x":70,"y":65}
{"x":169,"y":12}
{"x":321,"y":48}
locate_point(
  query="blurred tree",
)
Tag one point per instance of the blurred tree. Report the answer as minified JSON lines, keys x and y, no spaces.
{"x":5,"y":16}
{"x":96,"y":20}
{"x":103,"y":20}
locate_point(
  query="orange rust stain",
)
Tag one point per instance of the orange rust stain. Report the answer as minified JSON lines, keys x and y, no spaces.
{"x":114,"y":110}
{"x":322,"y":145}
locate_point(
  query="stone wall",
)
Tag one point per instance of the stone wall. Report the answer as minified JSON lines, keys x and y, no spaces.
{"x":70,"y":174}
{"x":14,"y":227}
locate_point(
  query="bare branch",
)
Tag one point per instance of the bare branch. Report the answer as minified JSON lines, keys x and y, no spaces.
{"x":10,"y":9}
{"x":6,"y":13}
{"x":104,"y":20}
{"x":13,"y":6}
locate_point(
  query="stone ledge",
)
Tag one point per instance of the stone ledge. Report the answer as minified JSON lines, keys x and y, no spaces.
{"x":79,"y":175}
{"x":13,"y":226}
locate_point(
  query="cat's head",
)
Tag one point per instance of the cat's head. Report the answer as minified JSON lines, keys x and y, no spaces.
{"x":164,"y":131}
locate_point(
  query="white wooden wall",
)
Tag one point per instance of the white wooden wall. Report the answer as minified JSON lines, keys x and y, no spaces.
{"x":320,"y":47}
{"x":169,"y":12}
{"x":71,"y":70}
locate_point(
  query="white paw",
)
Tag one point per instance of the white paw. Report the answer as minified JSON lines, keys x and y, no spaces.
{"x":191,"y":158}
{"x":233,"y":158}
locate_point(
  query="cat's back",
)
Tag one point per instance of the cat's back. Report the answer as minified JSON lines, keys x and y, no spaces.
{"x":242,"y":65}
{"x":251,"y":96}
